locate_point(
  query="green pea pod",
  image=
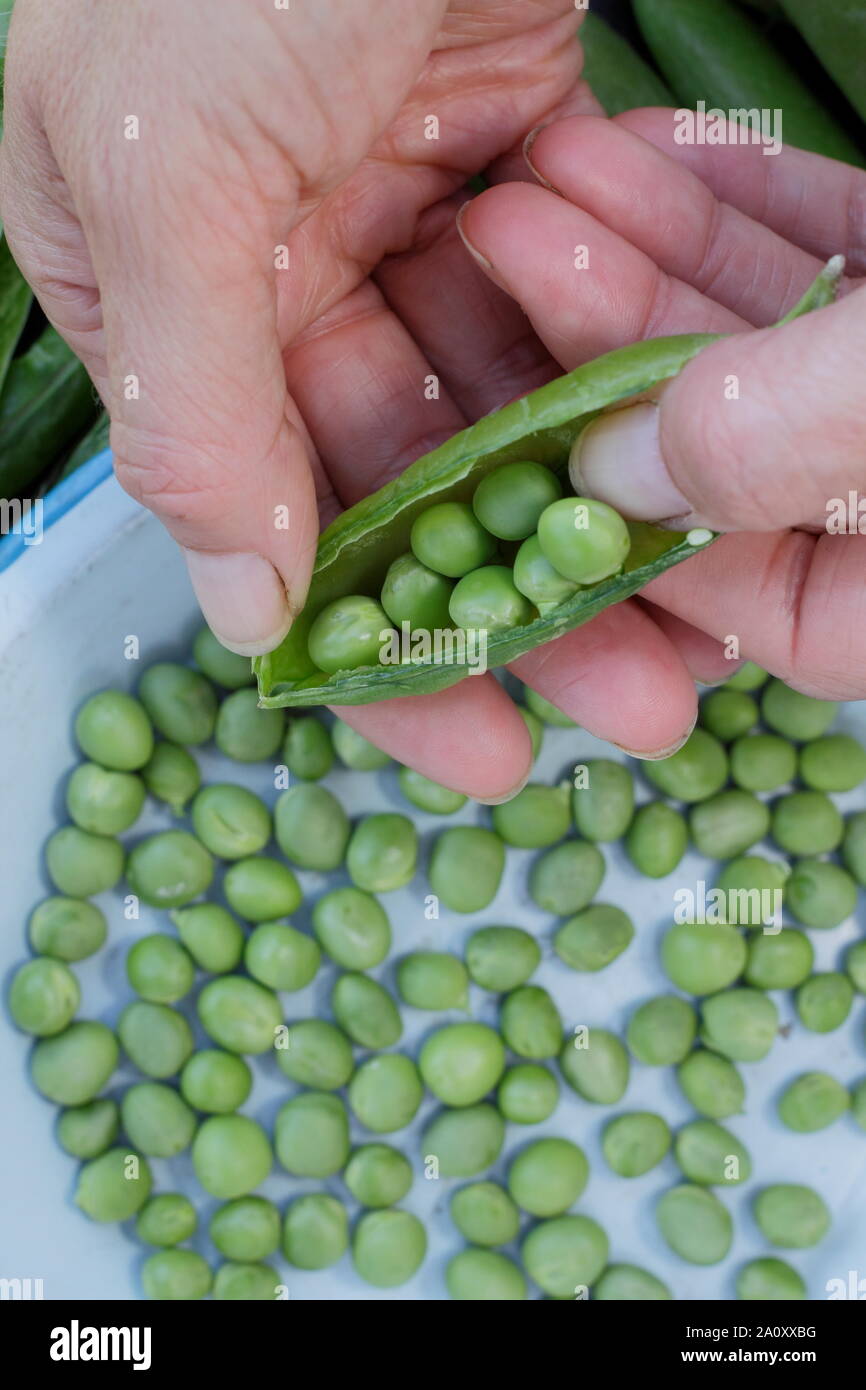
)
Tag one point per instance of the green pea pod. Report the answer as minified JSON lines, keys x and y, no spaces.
{"x":713,"y":52}
{"x":15,"y":301}
{"x":836,"y":34}
{"x":618,"y":76}
{"x":46,"y":402}
{"x":356,"y":549}
{"x":93,"y":442}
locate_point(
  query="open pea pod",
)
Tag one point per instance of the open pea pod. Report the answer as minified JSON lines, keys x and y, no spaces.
{"x":356,"y":550}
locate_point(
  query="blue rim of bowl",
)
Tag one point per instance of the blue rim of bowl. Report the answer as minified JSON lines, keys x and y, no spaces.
{"x":56,"y":503}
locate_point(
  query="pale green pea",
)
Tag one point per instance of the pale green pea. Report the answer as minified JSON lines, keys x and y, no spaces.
{"x":231,"y":1154}
{"x":824,"y":1001}
{"x":433,"y":980}
{"x":43,"y":997}
{"x":356,"y":751}
{"x":595,"y":1064}
{"x":702,"y":958}
{"x":812,"y":1101}
{"x":366,"y":1011}
{"x":635,"y":1142}
{"x":461,"y":1062}
{"x":695,"y":1224}
{"x":169,"y":869}
{"x":694,"y":773}
{"x":807,"y":823}
{"x":528,"y":1094}
{"x":567,"y":877}
{"x":855,"y":965}
{"x":791,"y":1216}
{"x":216,"y":1082}
{"x":501,"y":958}
{"x":464,"y":1142}
{"x":246,"y":1282}
{"x":176,"y":1276}
{"x":488,"y":601}
{"x":835,"y":763}
{"x":484,"y":1276}
{"x":378,"y":1176}
{"x":740,"y":1023}
{"x":246,"y":1229}
{"x":80,"y":864}
{"x":537,"y":580}
{"x":711,"y":1084}
{"x":86,"y":1131}
{"x":159,"y":969}
{"x":240,"y":1015}
{"x":709,"y":1154}
{"x":104,"y":801}
{"x":530,"y":1023}
{"x":536,"y":817}
{"x":166,"y":1219}
{"x":220,"y":665}
{"x":728,"y":714}
{"x":769,"y":1281}
{"x":211,"y":935}
{"x":854,"y":847}
{"x":726,"y":825}
{"x":413,"y":594}
{"x":262,"y":889}
{"x":604,"y":807}
{"x":181,"y":703}
{"x":281,"y":957}
{"x":657,"y":839}
{"x":311,"y":827}
{"x":779,"y":962}
{"x":155,"y":1037}
{"x":112,"y":729}
{"x":661,"y":1032}
{"x":157,"y":1120}
{"x":230,"y":821}
{"x":308,"y":751}
{"x":449,"y":539}
{"x":317,"y":1054}
{"x":315,"y":1231}
{"x":629,"y":1283}
{"x":795,"y":716}
{"x":383,"y":852}
{"x":245,"y":733}
{"x":114,"y":1186}
{"x":509,"y":501}
{"x":311,"y":1135}
{"x":546,"y":711}
{"x":353,"y":927}
{"x":762,"y":762}
{"x":820,"y":894}
{"x":67,"y":928}
{"x":385,"y":1092}
{"x":172,"y":775}
{"x":584,"y":539}
{"x":548,"y":1176}
{"x":428,"y":796}
{"x":466,"y":867}
{"x":485,"y":1214}
{"x":71,"y":1067}
{"x":748,"y":677}
{"x":388,"y":1247}
{"x":348,"y":633}
{"x":593,"y":938}
{"x":565,"y":1254}
{"x":753,"y":890}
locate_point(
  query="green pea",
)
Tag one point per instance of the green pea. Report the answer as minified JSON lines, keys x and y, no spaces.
{"x":388,"y":1247}
{"x":166,"y":1220}
{"x":501,"y":958}
{"x":695,"y":1224}
{"x":807,"y":823}
{"x":159,"y":969}
{"x":812,"y":1101}
{"x":537,"y":580}
{"x":102,"y":801}
{"x":366,"y":1011}
{"x":211,"y":935}
{"x":245,"y":733}
{"x":260,"y":889}
{"x":449,"y":539}
{"x":695,"y":772}
{"x":741,"y":1023}
{"x":247,"y":1282}
{"x":820,"y":894}
{"x":824,"y":1001}
{"x":86,"y":1131}
{"x":311,"y":1135}
{"x":565,"y":1254}
{"x":769,"y":1281}
{"x":216,"y":1082}
{"x":281,"y":957}
{"x":711,"y":1084}
{"x":461,"y":1062}
{"x":858,"y":1103}
{"x":316,"y":1054}
{"x":835,"y":763}
{"x":377,"y":1175}
{"x":466,"y":867}
{"x":385,"y":1092}
{"x":223,"y":667}
{"x":566,"y":878}
{"x":603,"y":809}
{"x":726,"y":825}
{"x":548,"y":1176}
{"x":509,"y":501}
{"x":661,"y":1032}
{"x":315,"y":1231}
{"x":657,"y":839}
{"x":546,"y":711}
{"x":629,"y":1283}
{"x":795,"y":716}
{"x":353,"y":927}
{"x":246,"y":1229}
{"x":356,"y":751}
{"x":240,"y":1015}
{"x":308,"y":751}
{"x":536,"y":817}
{"x":433,"y":980}
{"x":535,"y":729}
{"x":484,"y":1276}
{"x":181,"y":703}
{"x":156,"y":1038}
{"x":464,"y":1142}
{"x":701,"y":958}
{"x":428,"y":796}
{"x":416,"y":595}
{"x":176,"y":1275}
{"x":488,"y":601}
{"x":348,"y":633}
{"x":485,"y":1214}
{"x":43,"y":997}
{"x":72,"y":1067}
{"x":635,"y":1142}
{"x":753,"y":888}
{"x":231,"y":1154}
{"x":854,"y":847}
{"x":67,"y":929}
{"x":762,"y":762}
{"x":593,"y":938}
{"x":585,"y":540}
{"x":708,"y":1154}
{"x":172,"y":775}
{"x":749,"y":677}
{"x":528,"y":1094}
{"x":169,"y":869}
{"x":114,"y":1186}
{"x":779,"y":962}
{"x":595,"y":1064}
{"x":791,"y":1216}
{"x":157,"y":1120}
{"x":855,"y":965}
{"x":112,"y":729}
{"x":80,"y":864}
{"x":230,"y":821}
{"x":728,"y":714}
{"x":383,"y":853}
{"x":530,"y":1023}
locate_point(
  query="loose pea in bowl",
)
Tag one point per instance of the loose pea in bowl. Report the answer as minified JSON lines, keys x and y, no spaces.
{"x":72,"y":609}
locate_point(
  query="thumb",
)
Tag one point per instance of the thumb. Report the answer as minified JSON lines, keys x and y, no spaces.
{"x":758,"y":432}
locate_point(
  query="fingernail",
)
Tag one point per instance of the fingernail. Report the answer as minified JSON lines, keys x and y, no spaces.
{"x":472,"y":249}
{"x":662,"y":752}
{"x":243,"y":600}
{"x":617,"y":459}
{"x":499,"y":800}
{"x":527,"y":155}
